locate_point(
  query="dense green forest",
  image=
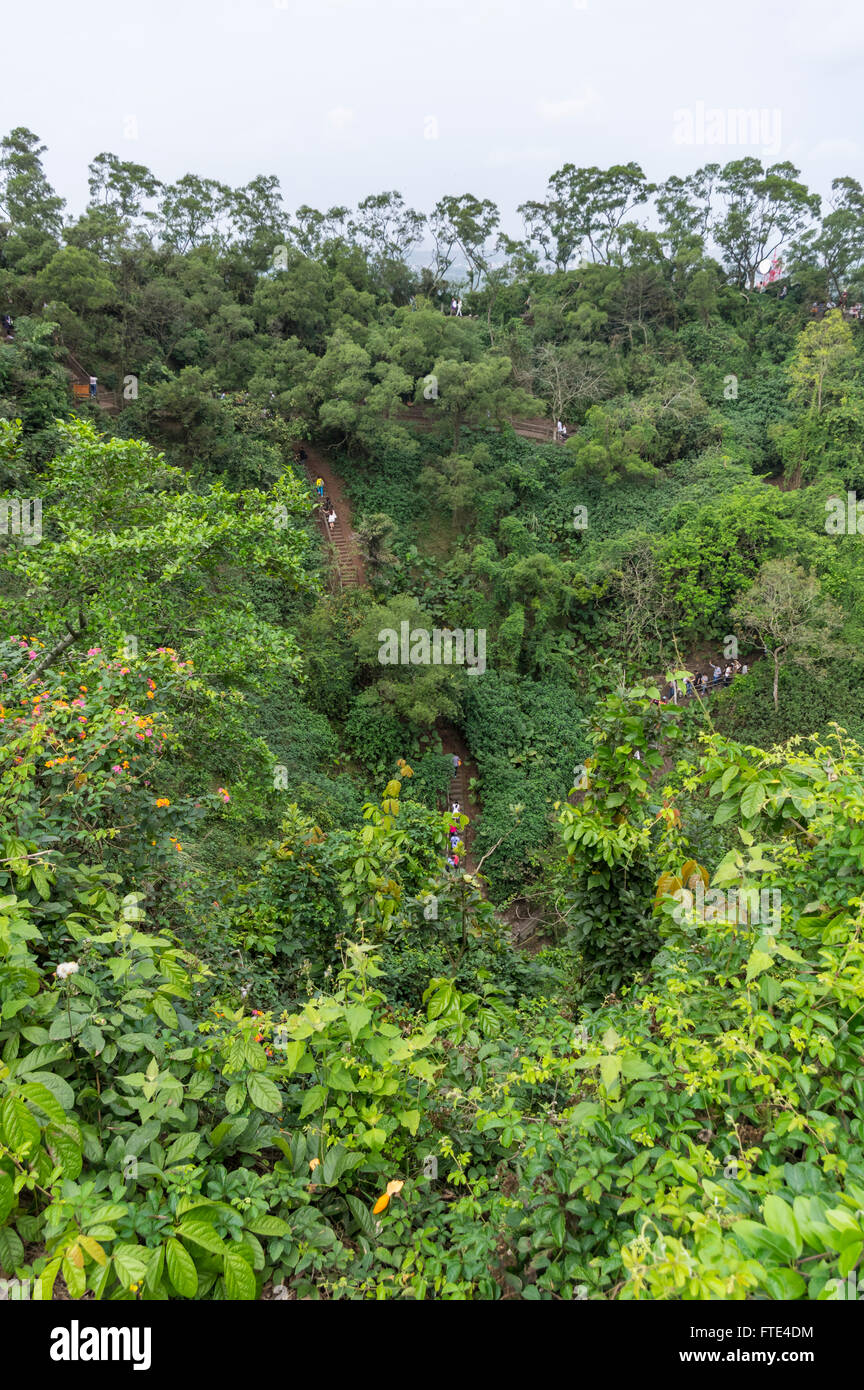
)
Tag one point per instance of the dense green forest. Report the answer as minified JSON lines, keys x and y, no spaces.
{"x":276,"y":1021}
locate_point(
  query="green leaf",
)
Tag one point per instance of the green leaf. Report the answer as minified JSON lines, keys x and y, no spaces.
{"x":781,"y":1219}
{"x":341,"y":1079}
{"x":60,"y":1089}
{"x":181,"y":1269}
{"x":785,"y":1285}
{"x":610,"y":1070}
{"x":155,"y":1265}
{"x":45,"y":1281}
{"x":164,"y":1010}
{"x":849,"y":1257}
{"x":291,"y":1055}
{"x":234,"y":1097}
{"x":239,"y":1277}
{"x":40,"y":1096}
{"x":130,"y":1263}
{"x":76,"y":1279}
{"x":357,"y":1017}
{"x":362,"y":1216}
{"x":336,"y":1160}
{"x":264,"y":1093}
{"x":268,"y":1226}
{"x":758,"y":961}
{"x":753,"y":800}
{"x":11,"y":1249}
{"x":182,"y":1147}
{"x":203,"y":1234}
{"x":22,"y":1130}
{"x":769,"y":1247}
{"x":313,"y":1100}
{"x":7,"y":1196}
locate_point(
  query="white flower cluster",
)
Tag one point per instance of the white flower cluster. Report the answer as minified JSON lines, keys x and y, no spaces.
{"x":65,"y":969}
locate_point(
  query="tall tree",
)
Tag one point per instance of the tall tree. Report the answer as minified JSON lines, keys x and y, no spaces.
{"x":386,"y":228}
{"x":763,"y":208}
{"x":684,"y":208}
{"x":258,"y":216}
{"x":192,"y":211}
{"x":463,"y":224}
{"x":568,"y":376}
{"x":585,"y":209}
{"x":823,"y":361}
{"x":837,"y":246}
{"x":26,"y":197}
{"x":790,"y":617}
{"x":121,"y":186}
{"x":312,"y":230}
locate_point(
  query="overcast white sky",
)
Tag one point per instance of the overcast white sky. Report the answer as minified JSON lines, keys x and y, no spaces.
{"x":341,"y":98}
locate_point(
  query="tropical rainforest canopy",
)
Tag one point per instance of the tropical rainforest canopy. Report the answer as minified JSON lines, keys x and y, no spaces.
{"x":272,"y":1013}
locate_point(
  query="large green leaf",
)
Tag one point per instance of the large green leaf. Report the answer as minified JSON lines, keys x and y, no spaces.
{"x":264,"y":1093}
{"x":239,"y":1277}
{"x":11,"y":1249}
{"x":21,"y":1129}
{"x":203,"y":1234}
{"x":182,"y":1147}
{"x":181,"y":1269}
{"x":44,"y":1100}
{"x":752,"y":800}
{"x":130,"y":1263}
{"x":313,"y":1100}
{"x":781,"y":1219}
{"x":357,"y":1016}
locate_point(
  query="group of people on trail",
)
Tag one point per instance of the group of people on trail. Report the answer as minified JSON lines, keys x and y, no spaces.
{"x":329,"y":509}
{"x":456,"y":307}
{"x":561,"y":430}
{"x":6,"y":322}
{"x":719,"y":676}
{"x":819,"y":306}
{"x":455,"y":839}
{"x":455,"y":810}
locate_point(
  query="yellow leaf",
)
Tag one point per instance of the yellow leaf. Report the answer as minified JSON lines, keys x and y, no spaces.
{"x":75,"y":1255}
{"x":394,"y":1187}
{"x":691,"y":868}
{"x":667,"y":884}
{"x":314,"y":1163}
{"x":94,"y":1249}
{"x":381,"y":1205}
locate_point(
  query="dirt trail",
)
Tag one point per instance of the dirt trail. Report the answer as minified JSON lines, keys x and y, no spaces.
{"x":453,"y":742}
{"x":348,"y":567}
{"x":344,"y":548}
{"x":540,"y":429}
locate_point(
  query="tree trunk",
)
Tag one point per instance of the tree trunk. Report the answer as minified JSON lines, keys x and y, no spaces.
{"x":776,"y":677}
